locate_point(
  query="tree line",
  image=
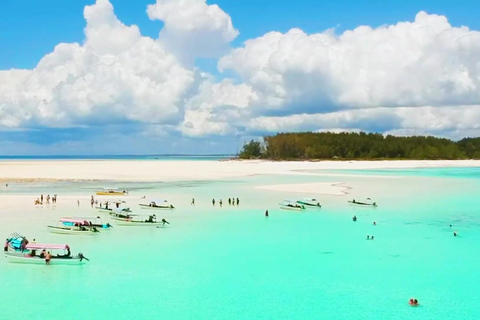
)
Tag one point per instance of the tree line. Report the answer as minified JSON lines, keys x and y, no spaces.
{"x":347,"y":145}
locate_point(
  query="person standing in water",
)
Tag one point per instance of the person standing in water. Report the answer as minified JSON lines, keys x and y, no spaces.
{"x":41,"y":198}
{"x":238,"y":202}
{"x":48,"y":256}
{"x":229,"y":201}
{"x":193,"y":202}
{"x":78,"y":203}
{"x":266,"y":213}
{"x":213,"y":202}
{"x":221,"y":202}
{"x":354,"y":218}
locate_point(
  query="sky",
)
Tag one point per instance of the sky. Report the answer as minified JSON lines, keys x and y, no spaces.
{"x":200,"y":77}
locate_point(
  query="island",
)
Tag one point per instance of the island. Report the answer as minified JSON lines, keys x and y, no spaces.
{"x":358,"y":146}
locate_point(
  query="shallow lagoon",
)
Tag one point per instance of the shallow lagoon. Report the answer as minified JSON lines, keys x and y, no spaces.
{"x":234,"y":263}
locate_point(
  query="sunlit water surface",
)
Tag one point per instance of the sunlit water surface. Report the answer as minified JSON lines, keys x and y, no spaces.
{"x":234,"y":263}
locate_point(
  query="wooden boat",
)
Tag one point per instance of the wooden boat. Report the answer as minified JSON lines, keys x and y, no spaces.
{"x":32,"y":256}
{"x":73,"y":226}
{"x":291,"y":205}
{"x":157,"y":205}
{"x":140,"y":221}
{"x":309,"y":202}
{"x":365,"y":203}
{"x":111,"y":192}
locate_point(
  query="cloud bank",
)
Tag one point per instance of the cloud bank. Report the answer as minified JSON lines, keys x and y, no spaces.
{"x":418,"y":77}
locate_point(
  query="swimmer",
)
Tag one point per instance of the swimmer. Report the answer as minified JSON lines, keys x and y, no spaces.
{"x":413,"y":302}
{"x":354,"y":218}
{"x":374,"y":223}
{"x":368,"y":237}
{"x":455,"y":233}
{"x":371,"y":238}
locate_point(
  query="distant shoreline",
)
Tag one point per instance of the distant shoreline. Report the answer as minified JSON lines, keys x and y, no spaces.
{"x":187,"y":170}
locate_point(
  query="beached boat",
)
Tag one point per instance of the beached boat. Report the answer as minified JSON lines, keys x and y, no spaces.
{"x":32,"y":256}
{"x":141,"y":221}
{"x":109,"y":206}
{"x":111,"y":192}
{"x":73,"y":226}
{"x":157,"y":205}
{"x":365,"y":203}
{"x":309,"y":202}
{"x":291,"y":205}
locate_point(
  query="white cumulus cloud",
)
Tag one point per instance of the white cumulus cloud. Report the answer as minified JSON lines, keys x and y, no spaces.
{"x":425,"y":62}
{"x":116,"y":75}
{"x":192,"y":28}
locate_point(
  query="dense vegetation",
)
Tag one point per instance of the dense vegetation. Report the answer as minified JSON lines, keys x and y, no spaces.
{"x":310,"y":145}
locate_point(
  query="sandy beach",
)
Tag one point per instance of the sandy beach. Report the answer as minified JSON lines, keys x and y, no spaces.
{"x":136,"y":170}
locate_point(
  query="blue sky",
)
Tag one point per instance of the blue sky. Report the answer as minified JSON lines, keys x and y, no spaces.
{"x":405,"y":87}
{"x":32,"y":29}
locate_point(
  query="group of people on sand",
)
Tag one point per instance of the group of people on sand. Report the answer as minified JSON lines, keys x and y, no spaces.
{"x":231,"y":202}
{"x":39,"y":201}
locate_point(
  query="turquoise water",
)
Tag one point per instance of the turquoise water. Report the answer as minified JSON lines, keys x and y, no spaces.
{"x":234,"y":263}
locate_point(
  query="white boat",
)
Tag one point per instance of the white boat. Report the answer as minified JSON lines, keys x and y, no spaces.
{"x":73,"y":226}
{"x":291,"y":205}
{"x":118,"y":214}
{"x":141,"y":221}
{"x":31,"y":255}
{"x":157,"y":205}
{"x":309,"y":202}
{"x":365,"y":203}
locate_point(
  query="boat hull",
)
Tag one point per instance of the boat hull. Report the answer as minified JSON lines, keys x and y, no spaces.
{"x":125,"y":223}
{"x":359,"y":204}
{"x":291,"y":208}
{"x":309,"y":204}
{"x":63,"y":230}
{"x":23,"y":259}
{"x":147,"y":207}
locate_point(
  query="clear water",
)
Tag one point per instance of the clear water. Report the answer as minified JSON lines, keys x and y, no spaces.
{"x":234,"y":263}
